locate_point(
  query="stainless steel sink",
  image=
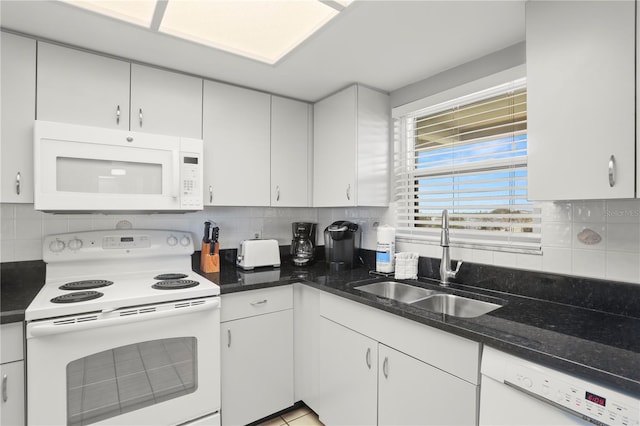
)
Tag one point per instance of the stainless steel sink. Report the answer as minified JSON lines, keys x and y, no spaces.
{"x":400,"y":292}
{"x":456,"y":306}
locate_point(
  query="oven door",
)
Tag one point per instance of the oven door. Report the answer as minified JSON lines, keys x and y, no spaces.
{"x":152,"y":365}
{"x":81,"y":168}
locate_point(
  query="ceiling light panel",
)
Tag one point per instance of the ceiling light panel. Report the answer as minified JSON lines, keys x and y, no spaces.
{"x":139,"y":12}
{"x":262,"y":30}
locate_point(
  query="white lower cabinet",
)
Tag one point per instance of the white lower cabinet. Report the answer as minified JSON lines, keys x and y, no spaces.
{"x":256,"y":354}
{"x":12,"y":401}
{"x":348,"y":376}
{"x":378,"y":368}
{"x":412,"y":392}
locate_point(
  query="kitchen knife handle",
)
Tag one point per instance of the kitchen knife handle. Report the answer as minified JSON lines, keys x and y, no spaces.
{"x":18,"y":178}
{"x":4,"y":388}
{"x":612,"y":171}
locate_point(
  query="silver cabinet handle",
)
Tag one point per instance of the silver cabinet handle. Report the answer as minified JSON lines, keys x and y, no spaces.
{"x":210,"y":194}
{"x":258,"y":302}
{"x":140,"y":116}
{"x":612,"y":171}
{"x":349,"y":192}
{"x":277,"y":193}
{"x":368,"y":358}
{"x":4,"y":388}
{"x":18,"y":178}
{"x":385,"y":367}
{"x":118,"y":115}
{"x":228,"y":337}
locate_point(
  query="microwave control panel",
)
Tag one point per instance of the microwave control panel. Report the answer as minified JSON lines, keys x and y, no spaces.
{"x":190,"y":178}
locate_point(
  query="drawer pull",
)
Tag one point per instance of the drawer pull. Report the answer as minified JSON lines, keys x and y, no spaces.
{"x":4,"y":388}
{"x":18,"y":179}
{"x":228,"y":337}
{"x":612,"y":171}
{"x":259,"y":302}
{"x":368,"y":358}
{"x":385,"y":367}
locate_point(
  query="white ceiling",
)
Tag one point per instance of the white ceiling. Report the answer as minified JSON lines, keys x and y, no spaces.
{"x":382,"y":44}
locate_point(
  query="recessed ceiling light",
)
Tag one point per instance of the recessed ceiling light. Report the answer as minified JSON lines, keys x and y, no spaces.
{"x":139,"y":12}
{"x":264,"y":30}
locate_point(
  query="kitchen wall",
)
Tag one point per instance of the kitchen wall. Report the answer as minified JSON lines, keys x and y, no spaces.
{"x":23,"y":228}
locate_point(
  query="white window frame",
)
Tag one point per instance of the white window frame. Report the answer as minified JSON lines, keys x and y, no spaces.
{"x":408,"y":229}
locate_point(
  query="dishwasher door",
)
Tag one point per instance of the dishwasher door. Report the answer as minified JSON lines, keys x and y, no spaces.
{"x":514,"y":391}
{"x":501,"y":404}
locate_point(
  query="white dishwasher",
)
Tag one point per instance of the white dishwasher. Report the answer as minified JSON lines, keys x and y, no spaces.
{"x":518,"y":392}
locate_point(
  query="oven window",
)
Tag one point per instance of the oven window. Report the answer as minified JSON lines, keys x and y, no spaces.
{"x":108,"y":177}
{"x":116,"y":381}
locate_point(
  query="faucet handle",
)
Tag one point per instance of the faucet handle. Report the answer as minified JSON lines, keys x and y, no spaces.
{"x":458,"y":265}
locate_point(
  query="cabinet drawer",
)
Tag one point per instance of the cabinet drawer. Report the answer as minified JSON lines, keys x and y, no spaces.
{"x":12,"y":342}
{"x":256,"y":302}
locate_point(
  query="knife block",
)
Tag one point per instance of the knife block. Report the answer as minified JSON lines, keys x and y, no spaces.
{"x":210,"y":262}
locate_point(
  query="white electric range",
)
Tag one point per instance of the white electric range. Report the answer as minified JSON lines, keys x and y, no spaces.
{"x":123,"y":332}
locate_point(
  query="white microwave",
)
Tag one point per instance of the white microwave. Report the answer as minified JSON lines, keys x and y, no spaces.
{"x":93,"y":169}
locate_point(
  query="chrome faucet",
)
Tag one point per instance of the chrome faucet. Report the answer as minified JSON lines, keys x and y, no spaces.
{"x":445,"y":264}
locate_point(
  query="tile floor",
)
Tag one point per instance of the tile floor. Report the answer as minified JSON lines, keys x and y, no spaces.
{"x":302,"y":416}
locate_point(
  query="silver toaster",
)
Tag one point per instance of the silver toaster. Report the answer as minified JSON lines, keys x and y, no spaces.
{"x":257,"y":253}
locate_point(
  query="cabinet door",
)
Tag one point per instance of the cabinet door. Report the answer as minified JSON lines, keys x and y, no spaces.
{"x":18,"y":112}
{"x":290,"y":180}
{"x":348,"y":376}
{"x":82,"y":88}
{"x":334,"y":150}
{"x":306,"y":350}
{"x":236,"y":146}
{"x":581,"y":105}
{"x":165,"y":102}
{"x":414,"y":393}
{"x":12,"y":376}
{"x":257,"y":367}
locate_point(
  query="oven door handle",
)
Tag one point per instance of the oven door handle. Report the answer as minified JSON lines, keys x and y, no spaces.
{"x":112,"y":318}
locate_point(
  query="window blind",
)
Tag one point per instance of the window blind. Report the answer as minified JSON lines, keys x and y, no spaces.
{"x":469,"y":156}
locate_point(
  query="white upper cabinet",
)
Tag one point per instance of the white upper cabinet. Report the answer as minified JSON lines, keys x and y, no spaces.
{"x":290,"y":153}
{"x":351,"y":149}
{"x":82,"y":88}
{"x":236,"y":135}
{"x":581,"y":99}
{"x":18,"y":112}
{"x":165,"y":102}
{"x":94,"y":90}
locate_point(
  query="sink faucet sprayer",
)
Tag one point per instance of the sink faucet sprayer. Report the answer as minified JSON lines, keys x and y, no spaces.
{"x":445,"y":263}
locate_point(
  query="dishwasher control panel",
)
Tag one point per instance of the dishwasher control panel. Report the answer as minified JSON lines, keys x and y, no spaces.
{"x":592,"y":402}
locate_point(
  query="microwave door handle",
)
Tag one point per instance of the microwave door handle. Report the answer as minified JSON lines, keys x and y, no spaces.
{"x":176,"y":174}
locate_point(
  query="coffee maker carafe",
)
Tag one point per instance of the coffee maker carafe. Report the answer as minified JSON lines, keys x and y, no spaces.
{"x":303,"y":243}
{"x":341,"y":244}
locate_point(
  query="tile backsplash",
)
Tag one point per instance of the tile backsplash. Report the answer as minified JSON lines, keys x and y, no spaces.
{"x":597,"y":239}
{"x":23,"y":228}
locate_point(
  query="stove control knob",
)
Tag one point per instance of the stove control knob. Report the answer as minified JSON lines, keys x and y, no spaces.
{"x":172,"y":241}
{"x":527,"y":382}
{"x":75,"y":244}
{"x":185,"y":241}
{"x":56,"y":246}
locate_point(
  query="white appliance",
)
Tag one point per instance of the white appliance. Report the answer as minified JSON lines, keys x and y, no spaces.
{"x":82,"y":168}
{"x":518,"y":392}
{"x":123,"y":333}
{"x":257,"y":253}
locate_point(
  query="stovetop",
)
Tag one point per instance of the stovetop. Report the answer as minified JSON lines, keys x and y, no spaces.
{"x":108,"y":270}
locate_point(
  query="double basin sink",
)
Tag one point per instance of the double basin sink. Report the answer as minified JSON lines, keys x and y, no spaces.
{"x":430,"y":300}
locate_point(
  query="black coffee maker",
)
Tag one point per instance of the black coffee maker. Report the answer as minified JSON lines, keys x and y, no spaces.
{"x":341,"y":244}
{"x":303,"y":243}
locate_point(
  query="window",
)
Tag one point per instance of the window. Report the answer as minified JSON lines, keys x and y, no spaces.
{"x":469,"y":156}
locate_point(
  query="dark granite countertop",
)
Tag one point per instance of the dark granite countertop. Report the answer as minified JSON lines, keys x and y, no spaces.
{"x":581,"y":337}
